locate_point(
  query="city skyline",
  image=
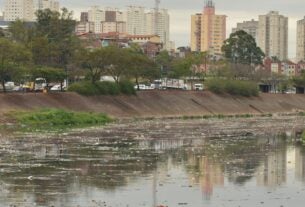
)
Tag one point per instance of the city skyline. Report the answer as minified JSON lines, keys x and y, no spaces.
{"x":181,"y":12}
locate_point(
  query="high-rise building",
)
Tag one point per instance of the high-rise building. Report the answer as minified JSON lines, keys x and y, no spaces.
{"x":104,"y":21}
{"x":19,"y":9}
{"x":273,"y":35}
{"x":251,"y":27}
{"x":84,"y":17}
{"x":113,"y":22}
{"x":48,"y":4}
{"x":96,"y":16}
{"x":301,"y":40}
{"x":163,"y":26}
{"x":208,"y":30}
{"x":135,"y":17}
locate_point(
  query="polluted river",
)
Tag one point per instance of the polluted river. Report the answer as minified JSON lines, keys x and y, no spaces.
{"x":256,"y":161}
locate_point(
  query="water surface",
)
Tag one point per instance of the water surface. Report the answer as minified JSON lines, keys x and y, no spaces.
{"x":162,"y":162}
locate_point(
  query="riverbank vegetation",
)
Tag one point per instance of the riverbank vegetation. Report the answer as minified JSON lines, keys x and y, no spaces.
{"x":233,"y":87}
{"x":56,"y":120}
{"x":87,"y":88}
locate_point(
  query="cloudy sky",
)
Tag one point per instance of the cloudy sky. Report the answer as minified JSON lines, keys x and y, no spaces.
{"x":180,"y":11}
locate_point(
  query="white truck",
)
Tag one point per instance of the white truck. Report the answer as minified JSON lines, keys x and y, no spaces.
{"x":168,"y":83}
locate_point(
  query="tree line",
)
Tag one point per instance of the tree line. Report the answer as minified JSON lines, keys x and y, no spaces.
{"x":49,"y":48}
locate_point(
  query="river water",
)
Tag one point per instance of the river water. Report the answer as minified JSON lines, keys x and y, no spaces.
{"x":229,"y":162}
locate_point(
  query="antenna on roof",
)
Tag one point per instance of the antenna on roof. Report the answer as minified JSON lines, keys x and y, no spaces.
{"x":209,"y":3}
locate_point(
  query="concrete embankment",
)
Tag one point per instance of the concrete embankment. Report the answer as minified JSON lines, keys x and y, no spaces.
{"x":157,"y":103}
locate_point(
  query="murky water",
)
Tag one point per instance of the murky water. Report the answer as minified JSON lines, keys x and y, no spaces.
{"x":152,"y":163}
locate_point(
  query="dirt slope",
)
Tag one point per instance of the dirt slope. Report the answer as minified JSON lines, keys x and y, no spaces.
{"x":156,"y":103}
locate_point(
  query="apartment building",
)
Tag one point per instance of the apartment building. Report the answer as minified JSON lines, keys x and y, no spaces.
{"x":96,"y":15}
{"x":301,"y":40}
{"x":159,"y":26}
{"x":208,"y":30}
{"x":251,"y":27}
{"x":19,"y":9}
{"x":113,"y":22}
{"x":48,"y":4}
{"x":135,"y":18}
{"x":273,"y":35}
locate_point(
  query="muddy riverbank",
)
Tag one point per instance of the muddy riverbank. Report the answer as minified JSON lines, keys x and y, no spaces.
{"x":157,"y":103}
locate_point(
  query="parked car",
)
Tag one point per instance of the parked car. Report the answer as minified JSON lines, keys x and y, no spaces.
{"x":9,"y":86}
{"x":57,"y":88}
{"x":198,"y":87}
{"x":143,"y":87}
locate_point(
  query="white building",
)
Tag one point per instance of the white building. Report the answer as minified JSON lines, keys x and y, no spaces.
{"x":25,"y":9}
{"x":84,"y":27}
{"x":301,"y":40}
{"x":140,"y":22}
{"x":135,"y":18}
{"x":19,"y":9}
{"x":163,"y":26}
{"x":108,"y":20}
{"x":273,"y":35}
{"x":48,"y":4}
{"x":96,"y":15}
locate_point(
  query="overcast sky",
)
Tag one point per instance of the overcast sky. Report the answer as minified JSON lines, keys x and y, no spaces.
{"x":181,"y":10}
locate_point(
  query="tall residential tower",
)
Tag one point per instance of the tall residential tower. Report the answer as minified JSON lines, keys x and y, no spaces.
{"x":19,"y":9}
{"x":301,"y":40}
{"x":208,"y":30}
{"x":273,"y":35}
{"x":251,"y":27}
{"x":158,"y":27}
{"x":48,"y":4}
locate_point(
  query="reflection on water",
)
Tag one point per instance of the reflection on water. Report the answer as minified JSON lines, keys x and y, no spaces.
{"x":122,"y":167}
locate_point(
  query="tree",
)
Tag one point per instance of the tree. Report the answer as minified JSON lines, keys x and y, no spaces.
{"x":299,"y":81}
{"x":12,"y":55}
{"x":21,"y":32}
{"x":2,"y":34}
{"x":164,"y":61}
{"x":50,"y":74}
{"x":118,"y":60}
{"x":55,"y":25}
{"x":189,"y":66}
{"x":241,"y":48}
{"x":94,"y":62}
{"x":140,"y":66}
{"x":55,"y":43}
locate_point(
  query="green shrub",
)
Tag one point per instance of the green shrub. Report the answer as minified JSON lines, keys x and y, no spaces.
{"x":127,"y":87}
{"x":233,"y":87}
{"x":216,"y":86}
{"x":107,"y":88}
{"x":84,"y":88}
{"x":102,"y":88}
{"x":57,"y":119}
